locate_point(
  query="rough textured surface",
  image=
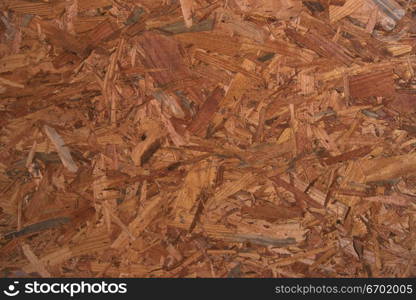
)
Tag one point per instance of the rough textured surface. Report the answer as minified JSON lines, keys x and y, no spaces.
{"x":202,"y":138}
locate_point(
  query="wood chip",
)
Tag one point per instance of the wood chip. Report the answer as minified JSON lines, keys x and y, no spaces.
{"x":34,"y":260}
{"x":63,"y":151}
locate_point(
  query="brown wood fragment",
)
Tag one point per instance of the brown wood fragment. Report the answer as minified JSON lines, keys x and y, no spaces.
{"x":338,"y":12}
{"x":140,"y":222}
{"x":212,"y":42}
{"x":180,"y":27}
{"x":353,"y":154}
{"x":331,"y":48}
{"x":302,"y":197}
{"x":200,"y":124}
{"x":395,"y":199}
{"x":278,"y":9}
{"x":170,"y":59}
{"x":44,"y":225}
{"x":224,"y":64}
{"x":5,"y":81}
{"x":61,"y":38}
{"x":186,"y":6}
{"x":101,"y":32}
{"x":193,"y":196}
{"x":93,"y":4}
{"x":388,"y":168}
{"x":372,"y":84}
{"x":291,"y":234}
{"x":36,"y":8}
{"x":231,"y":188}
{"x":271,"y":213}
{"x":63,"y":151}
{"x":34,"y":260}
{"x":299,"y":256}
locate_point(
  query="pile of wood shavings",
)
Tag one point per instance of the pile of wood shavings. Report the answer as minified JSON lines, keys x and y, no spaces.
{"x":202,"y":138}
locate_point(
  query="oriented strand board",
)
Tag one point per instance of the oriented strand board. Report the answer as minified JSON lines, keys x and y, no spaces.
{"x":240,"y":138}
